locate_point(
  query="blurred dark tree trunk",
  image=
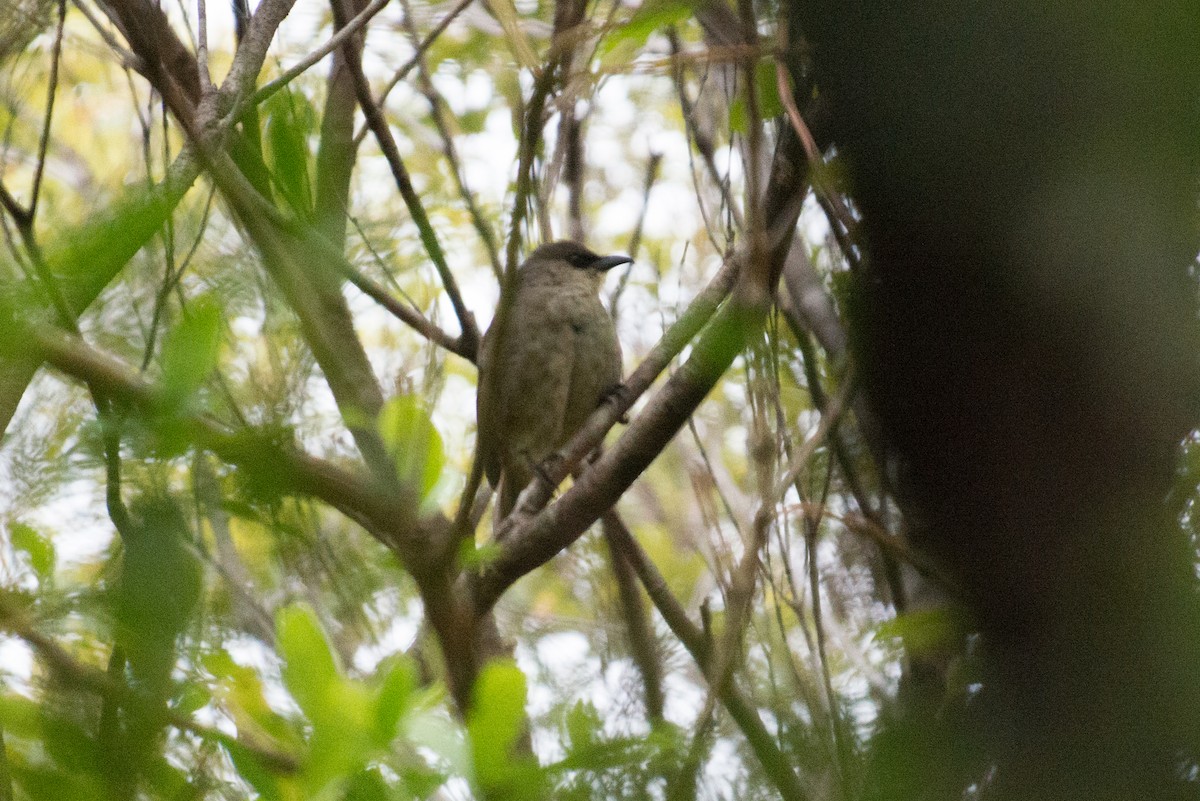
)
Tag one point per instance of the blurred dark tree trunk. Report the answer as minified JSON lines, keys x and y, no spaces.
{"x":1026,"y":173}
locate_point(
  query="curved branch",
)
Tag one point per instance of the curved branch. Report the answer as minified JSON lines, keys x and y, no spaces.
{"x":337,"y":40}
{"x":385,"y":513}
{"x":387,"y":144}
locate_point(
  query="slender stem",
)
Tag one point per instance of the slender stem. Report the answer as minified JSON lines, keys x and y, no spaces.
{"x":387,"y":144}
{"x":409,"y":65}
{"x":206,"y":82}
{"x":51,"y":93}
{"x":775,"y":764}
{"x":437,"y":108}
{"x":337,"y":40}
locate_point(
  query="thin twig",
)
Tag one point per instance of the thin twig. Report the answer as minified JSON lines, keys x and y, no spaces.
{"x":10,"y":204}
{"x":128,"y":57}
{"x":702,"y":139}
{"x":206,"y":82}
{"x":635,"y":239}
{"x":765,"y":747}
{"x":237,"y":88}
{"x":642,"y":644}
{"x":841,"y":220}
{"x":408,"y":66}
{"x":51,"y":92}
{"x":407,"y":314}
{"x":391,"y":153}
{"x":531,"y":135}
{"x":85,"y":677}
{"x":812,"y":525}
{"x":437,"y":106}
{"x":381,"y":512}
{"x":337,"y":40}
{"x":829,"y":419}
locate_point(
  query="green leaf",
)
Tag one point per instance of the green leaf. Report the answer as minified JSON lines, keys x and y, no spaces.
{"x":368,"y":785}
{"x":649,"y":17}
{"x":926,"y":631}
{"x":472,"y":556}
{"x":241,"y":691}
{"x":766,"y":84}
{"x":69,"y":745}
{"x":310,"y":670}
{"x":290,"y":120}
{"x":38,"y":782}
{"x":38,"y":548}
{"x":86,"y":258}
{"x":473,"y":121}
{"x":191,"y":351}
{"x":21,"y":716}
{"x":766,"y":92}
{"x":393,"y":699}
{"x":158,"y":589}
{"x":496,"y":721}
{"x":342,"y":741}
{"x":250,"y":767}
{"x":192,"y":697}
{"x":431,"y":729}
{"x":414,"y":443}
{"x":583,"y":724}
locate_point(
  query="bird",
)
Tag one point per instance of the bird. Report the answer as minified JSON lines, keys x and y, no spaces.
{"x":556,"y":360}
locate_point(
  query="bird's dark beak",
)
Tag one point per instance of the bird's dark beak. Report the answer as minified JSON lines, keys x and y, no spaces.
{"x":608,"y":262}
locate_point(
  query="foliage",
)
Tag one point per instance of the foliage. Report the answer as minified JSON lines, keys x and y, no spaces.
{"x":243,"y":553}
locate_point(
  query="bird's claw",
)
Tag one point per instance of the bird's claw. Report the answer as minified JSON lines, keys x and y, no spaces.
{"x":616,"y":395}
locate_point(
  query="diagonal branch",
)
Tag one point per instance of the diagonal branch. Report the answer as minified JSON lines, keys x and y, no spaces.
{"x":51,"y":92}
{"x":775,"y":764}
{"x":316,"y":299}
{"x":381,"y":510}
{"x":83,"y":267}
{"x":387,"y":144}
{"x":337,"y":40}
{"x":437,"y":107}
{"x":91,"y":679}
{"x":534,"y":541}
{"x":402,"y":73}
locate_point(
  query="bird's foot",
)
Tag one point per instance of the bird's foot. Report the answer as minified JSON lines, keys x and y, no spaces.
{"x":617,"y":395}
{"x":548,"y":468}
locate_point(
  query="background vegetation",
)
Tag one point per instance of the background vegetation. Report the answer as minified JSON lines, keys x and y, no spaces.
{"x":248,"y":257}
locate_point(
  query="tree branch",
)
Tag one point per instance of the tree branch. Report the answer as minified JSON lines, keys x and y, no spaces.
{"x":402,"y":73}
{"x":334,"y":42}
{"x":437,"y":108}
{"x":386,"y":514}
{"x":531,"y":542}
{"x":85,"y":677}
{"x":387,"y":144}
{"x":776,"y":765}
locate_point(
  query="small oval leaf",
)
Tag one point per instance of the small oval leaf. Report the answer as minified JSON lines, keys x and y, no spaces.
{"x":414,"y":443}
{"x":191,"y":352}
{"x":36,"y":547}
{"x":310,"y":670}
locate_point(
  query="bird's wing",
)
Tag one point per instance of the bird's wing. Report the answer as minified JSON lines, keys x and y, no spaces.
{"x":539,"y":388}
{"x":534,"y":386}
{"x":596,"y":372}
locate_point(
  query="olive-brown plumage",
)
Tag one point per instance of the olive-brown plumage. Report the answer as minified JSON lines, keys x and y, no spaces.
{"x":551,"y":366}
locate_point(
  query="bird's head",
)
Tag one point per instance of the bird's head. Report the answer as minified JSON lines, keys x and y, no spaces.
{"x":574,"y":256}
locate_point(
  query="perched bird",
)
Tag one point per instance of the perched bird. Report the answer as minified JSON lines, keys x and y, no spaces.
{"x":547,"y":371}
